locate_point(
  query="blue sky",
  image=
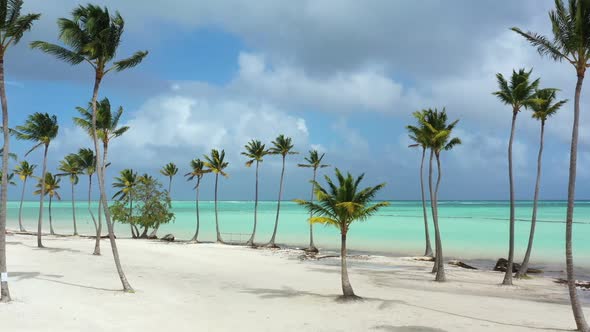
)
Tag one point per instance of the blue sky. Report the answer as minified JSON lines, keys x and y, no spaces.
{"x":339,"y":76}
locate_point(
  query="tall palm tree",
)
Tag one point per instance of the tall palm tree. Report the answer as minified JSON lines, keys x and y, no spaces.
{"x":439,"y":139}
{"x":197,"y":172}
{"x":49,"y":186}
{"x":13,"y":25}
{"x":571,"y":42}
{"x":545,"y":107}
{"x":282,"y":146}
{"x":40,"y":128}
{"x":255,"y":152}
{"x":170,"y":171}
{"x":87,"y":161}
{"x":93,"y":36}
{"x":125,"y":182}
{"x":70,"y":166}
{"x":314,"y":161}
{"x":340,"y":205}
{"x":24,"y":170}
{"x":216,"y":164}
{"x":419,"y":135}
{"x":518,"y":93}
{"x":107,"y":128}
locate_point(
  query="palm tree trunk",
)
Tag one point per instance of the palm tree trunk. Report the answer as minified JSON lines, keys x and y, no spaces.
{"x":195,"y":238}
{"x":434,"y":219}
{"x":347,"y":291}
{"x":428,"y":251}
{"x":508,"y":275}
{"x":74,"y":210}
{"x":50,"y":217}
{"x":20,"y":209}
{"x":525,"y":262}
{"x":154,"y":233}
{"x":97,"y":243}
{"x":272,"y":243}
{"x":42,"y":199}
{"x":251,"y":240}
{"x":440,"y":270}
{"x":134,"y":234}
{"x":312,"y":247}
{"x":571,"y":191}
{"x":126,"y":286}
{"x":144,"y":234}
{"x":219,"y":240}
{"x":4,"y":291}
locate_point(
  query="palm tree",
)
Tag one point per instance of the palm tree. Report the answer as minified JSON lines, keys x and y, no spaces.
{"x":439,"y":139}
{"x":542,"y":110}
{"x":94,"y":35}
{"x":216,"y":164}
{"x":87,"y":161}
{"x":314,"y":161}
{"x":571,"y":42}
{"x":517,"y":93}
{"x":125,"y":182}
{"x":13,"y":25}
{"x":197,"y":172}
{"x":255,"y":152}
{"x":340,"y":205}
{"x":24,"y":170}
{"x":70,"y":166}
{"x":281,"y":146}
{"x":9,"y":178}
{"x":49,"y":186}
{"x":40,"y":128}
{"x":419,"y":135}
{"x":170,"y":171}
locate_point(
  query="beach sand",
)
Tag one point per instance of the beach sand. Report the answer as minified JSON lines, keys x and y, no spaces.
{"x":210,"y":287}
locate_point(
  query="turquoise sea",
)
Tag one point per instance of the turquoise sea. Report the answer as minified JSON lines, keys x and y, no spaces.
{"x":474,"y":230}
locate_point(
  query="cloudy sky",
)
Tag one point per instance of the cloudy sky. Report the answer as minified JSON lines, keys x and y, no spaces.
{"x":340,"y":76}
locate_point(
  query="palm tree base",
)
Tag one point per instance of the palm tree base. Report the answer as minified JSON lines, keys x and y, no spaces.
{"x":349,"y":298}
{"x":273,"y":246}
{"x":312,"y":249}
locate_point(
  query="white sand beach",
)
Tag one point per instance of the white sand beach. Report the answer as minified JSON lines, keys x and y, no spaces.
{"x":210,"y":287}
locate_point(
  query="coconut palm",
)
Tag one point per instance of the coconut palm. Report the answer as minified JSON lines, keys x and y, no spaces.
{"x":24,"y":170}
{"x":314,"y":161}
{"x":419,"y":135}
{"x":439,"y":133}
{"x":518,"y":93}
{"x":87,"y":161}
{"x":282,"y":146}
{"x":216,"y":164}
{"x":571,"y":42}
{"x":9,"y":178}
{"x":170,"y":171}
{"x":197,"y":172}
{"x":13,"y":25}
{"x":41,"y":128}
{"x":49,"y":187}
{"x":125,"y":183}
{"x":545,"y":107}
{"x":93,"y":36}
{"x":340,"y":205}
{"x":70,"y":166}
{"x":255,"y":152}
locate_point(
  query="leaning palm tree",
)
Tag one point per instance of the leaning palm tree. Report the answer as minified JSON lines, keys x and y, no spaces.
{"x":70,"y":166}
{"x":197,"y":172}
{"x":24,"y":171}
{"x":571,"y":42}
{"x":340,"y":205}
{"x":545,"y":107}
{"x":49,"y":186}
{"x":13,"y":25}
{"x":125,"y":183}
{"x":314,"y":161}
{"x":170,"y":171}
{"x":518,"y":93}
{"x":87,"y":161}
{"x":216,"y":164}
{"x":281,"y":146}
{"x":419,"y":135}
{"x":40,"y":128}
{"x":255,"y":152}
{"x":439,"y":139}
{"x":94,"y":35}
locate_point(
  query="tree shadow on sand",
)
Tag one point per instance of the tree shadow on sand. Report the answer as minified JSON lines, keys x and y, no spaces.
{"x":287,"y":292}
{"x":19,"y":276}
{"x":391,"y":328}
